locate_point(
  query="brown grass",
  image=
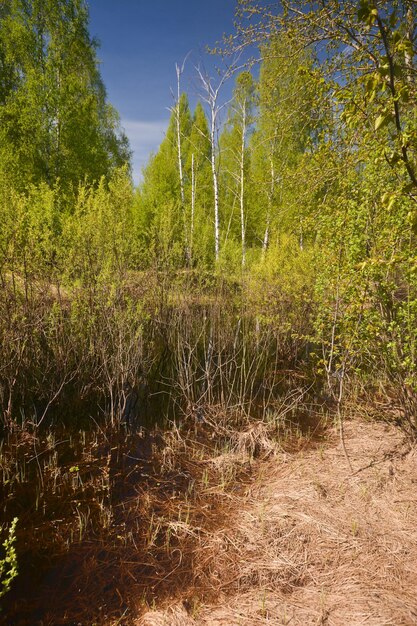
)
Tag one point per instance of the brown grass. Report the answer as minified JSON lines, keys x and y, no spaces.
{"x":311,"y":543}
{"x":121,"y":523}
{"x":223,"y":523}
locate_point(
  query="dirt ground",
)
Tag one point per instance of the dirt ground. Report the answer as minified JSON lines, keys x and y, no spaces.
{"x":313,"y":543}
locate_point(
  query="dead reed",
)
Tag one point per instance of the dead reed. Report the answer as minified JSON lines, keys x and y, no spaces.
{"x":118,"y":522}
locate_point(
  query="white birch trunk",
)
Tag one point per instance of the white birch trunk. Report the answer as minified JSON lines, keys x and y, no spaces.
{"x":179,"y":155}
{"x":301,"y":238}
{"x":211,"y":99}
{"x":409,"y":55}
{"x":179,"y":71}
{"x":192,"y":206}
{"x":265,"y":242}
{"x":242,"y":186}
{"x":215,"y":187}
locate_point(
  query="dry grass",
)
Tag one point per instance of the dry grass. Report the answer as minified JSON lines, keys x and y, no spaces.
{"x":227,"y":523}
{"x":311,"y":543}
{"x":122,"y":522}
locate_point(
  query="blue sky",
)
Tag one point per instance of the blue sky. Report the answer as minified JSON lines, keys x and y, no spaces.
{"x":140,"y":42}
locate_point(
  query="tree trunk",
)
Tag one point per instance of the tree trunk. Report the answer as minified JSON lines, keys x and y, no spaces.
{"x":215,"y":189}
{"x":180,"y":168}
{"x":192,"y":206}
{"x":410,"y":36}
{"x":242,"y":186}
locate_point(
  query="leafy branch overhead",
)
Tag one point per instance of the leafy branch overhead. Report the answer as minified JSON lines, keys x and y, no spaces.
{"x":366,"y":52}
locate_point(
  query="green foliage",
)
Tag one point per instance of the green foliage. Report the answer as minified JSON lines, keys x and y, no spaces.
{"x":8,"y":564}
{"x":98,"y":237}
{"x":55,"y":123}
{"x":164,"y":226}
{"x":199,"y":155}
{"x":316,"y":168}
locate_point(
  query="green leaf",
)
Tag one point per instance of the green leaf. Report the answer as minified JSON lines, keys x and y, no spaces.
{"x":364,"y":11}
{"x":394,"y":157}
{"x":383,"y":120}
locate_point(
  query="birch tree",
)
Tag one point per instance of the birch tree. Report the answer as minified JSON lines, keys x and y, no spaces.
{"x":287,"y":121}
{"x":55,"y":121}
{"x":211,"y":96}
{"x":198,"y":168}
{"x":160,"y":208}
{"x":180,"y":157}
{"x":366,"y":48}
{"x":234,"y":144}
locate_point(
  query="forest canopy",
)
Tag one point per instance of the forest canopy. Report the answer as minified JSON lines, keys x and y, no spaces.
{"x":55,"y":121}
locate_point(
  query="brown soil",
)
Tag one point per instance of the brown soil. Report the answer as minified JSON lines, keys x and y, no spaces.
{"x":312,"y":543}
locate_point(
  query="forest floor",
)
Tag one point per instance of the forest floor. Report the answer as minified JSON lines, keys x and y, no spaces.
{"x":311,"y":542}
